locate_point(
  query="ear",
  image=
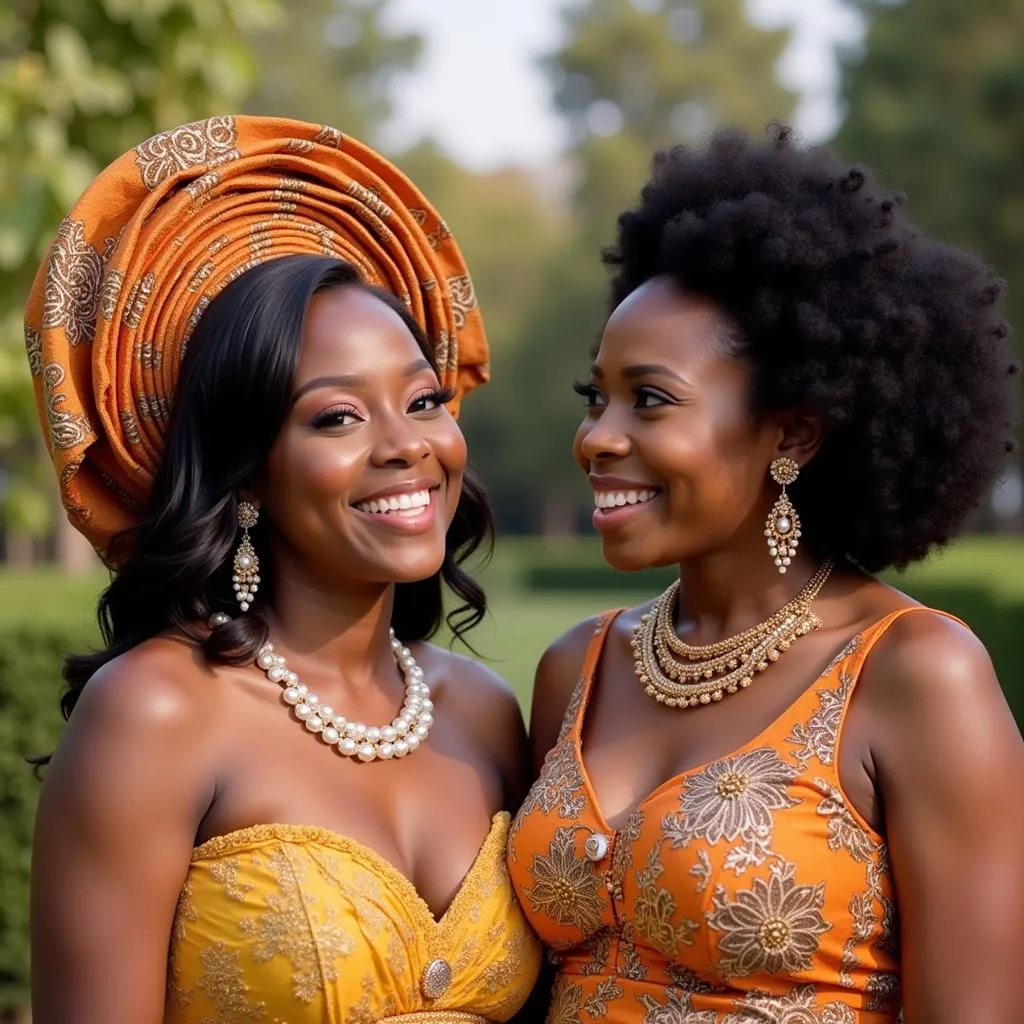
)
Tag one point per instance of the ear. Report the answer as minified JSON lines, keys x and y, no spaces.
{"x":800,"y":435}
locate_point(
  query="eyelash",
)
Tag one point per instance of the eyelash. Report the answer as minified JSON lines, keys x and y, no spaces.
{"x":592,"y":393}
{"x":439,"y":396}
{"x":330,"y":417}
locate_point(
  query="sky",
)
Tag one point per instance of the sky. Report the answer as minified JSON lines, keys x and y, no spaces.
{"x":479,"y":92}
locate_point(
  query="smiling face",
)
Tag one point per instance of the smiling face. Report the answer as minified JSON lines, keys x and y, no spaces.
{"x":678,"y":463}
{"x":365,"y":475}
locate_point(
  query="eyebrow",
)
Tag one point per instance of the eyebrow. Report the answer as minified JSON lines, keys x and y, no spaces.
{"x":353,"y":380}
{"x":643,"y":370}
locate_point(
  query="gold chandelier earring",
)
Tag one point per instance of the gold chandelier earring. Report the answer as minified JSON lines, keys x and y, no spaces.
{"x":782,"y":529}
{"x":246,"y":576}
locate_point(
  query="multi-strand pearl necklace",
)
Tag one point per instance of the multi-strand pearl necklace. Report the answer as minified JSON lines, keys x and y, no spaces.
{"x":355,"y":739}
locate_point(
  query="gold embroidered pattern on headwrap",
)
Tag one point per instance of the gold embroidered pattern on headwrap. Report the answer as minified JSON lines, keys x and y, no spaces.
{"x":160,"y":233}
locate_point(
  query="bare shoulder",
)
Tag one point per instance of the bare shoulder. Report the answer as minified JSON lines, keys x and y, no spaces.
{"x":929,"y":687}
{"x":925,"y":657}
{"x":558,"y":673}
{"x":162,"y":686}
{"x":486,"y":708}
{"x":148,"y":708}
{"x":473,"y":683}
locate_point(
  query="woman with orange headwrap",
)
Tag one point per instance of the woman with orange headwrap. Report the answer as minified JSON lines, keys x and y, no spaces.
{"x":281,"y":506}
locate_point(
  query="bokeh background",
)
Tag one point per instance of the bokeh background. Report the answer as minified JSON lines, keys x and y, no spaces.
{"x":530,"y":125}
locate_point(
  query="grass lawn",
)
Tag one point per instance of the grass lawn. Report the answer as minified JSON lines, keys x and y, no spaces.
{"x":521,"y":623}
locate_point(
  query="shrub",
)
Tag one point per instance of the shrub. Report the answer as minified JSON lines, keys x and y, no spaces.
{"x":29,"y":724}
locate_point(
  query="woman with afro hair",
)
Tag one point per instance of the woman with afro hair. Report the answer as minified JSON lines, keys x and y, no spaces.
{"x":782,"y":791}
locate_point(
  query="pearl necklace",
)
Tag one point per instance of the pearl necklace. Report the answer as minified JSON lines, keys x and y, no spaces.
{"x":355,"y":739}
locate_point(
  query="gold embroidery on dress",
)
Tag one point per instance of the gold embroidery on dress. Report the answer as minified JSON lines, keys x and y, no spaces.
{"x":223,"y":982}
{"x":597,"y":949}
{"x":885,"y":990}
{"x":654,"y":908}
{"x":675,"y":1010}
{"x":798,"y":1007}
{"x":565,"y":1002}
{"x":606,"y":992}
{"x":565,"y":886}
{"x":734,"y":797}
{"x":773,"y":926}
{"x":817,"y":738}
{"x":702,"y":870}
{"x":865,"y":918}
{"x":368,"y":1010}
{"x":296,"y":929}
{"x":186,"y":912}
{"x":844,"y":831}
{"x":225,"y":872}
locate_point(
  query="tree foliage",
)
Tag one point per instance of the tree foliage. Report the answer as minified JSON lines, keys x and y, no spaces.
{"x":333,"y":62}
{"x":934,"y":102}
{"x":81,"y":81}
{"x":631,"y":76}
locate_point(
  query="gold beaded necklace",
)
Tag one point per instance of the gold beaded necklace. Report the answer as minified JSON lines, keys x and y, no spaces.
{"x":681,"y":675}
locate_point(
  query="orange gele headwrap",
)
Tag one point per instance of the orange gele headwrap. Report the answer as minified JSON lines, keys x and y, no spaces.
{"x":161,"y":232}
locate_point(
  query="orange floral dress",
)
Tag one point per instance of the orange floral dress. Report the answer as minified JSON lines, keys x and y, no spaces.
{"x":745,"y":890}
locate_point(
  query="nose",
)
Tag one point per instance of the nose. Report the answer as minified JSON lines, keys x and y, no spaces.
{"x":603,"y":438}
{"x":399,"y":443}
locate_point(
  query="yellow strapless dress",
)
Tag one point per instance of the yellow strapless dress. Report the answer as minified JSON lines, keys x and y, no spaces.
{"x":286,"y":924}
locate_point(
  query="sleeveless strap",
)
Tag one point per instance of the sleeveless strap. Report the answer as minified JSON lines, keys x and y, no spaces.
{"x":581,"y":695}
{"x":870,"y":636}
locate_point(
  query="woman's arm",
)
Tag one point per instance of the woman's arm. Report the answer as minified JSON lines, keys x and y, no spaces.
{"x":949,"y":764}
{"x":114,"y":832}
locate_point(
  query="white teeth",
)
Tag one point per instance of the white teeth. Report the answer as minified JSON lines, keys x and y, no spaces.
{"x":616,"y":499}
{"x":409,"y":503}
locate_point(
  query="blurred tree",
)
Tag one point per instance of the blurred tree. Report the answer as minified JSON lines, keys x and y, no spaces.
{"x":935,"y":104}
{"x":80,"y":82}
{"x":333,"y":62}
{"x":636,"y":75}
{"x":505,"y":221}
{"x":509,"y":224}
{"x":630,"y":77}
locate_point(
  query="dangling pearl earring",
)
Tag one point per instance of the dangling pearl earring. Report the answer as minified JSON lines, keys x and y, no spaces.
{"x":783,"y":525}
{"x":246,"y":579}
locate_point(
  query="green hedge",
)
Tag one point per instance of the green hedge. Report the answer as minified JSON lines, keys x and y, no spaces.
{"x":29,"y":725}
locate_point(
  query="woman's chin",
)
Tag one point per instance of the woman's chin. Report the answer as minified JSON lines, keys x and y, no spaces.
{"x":628,"y":557}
